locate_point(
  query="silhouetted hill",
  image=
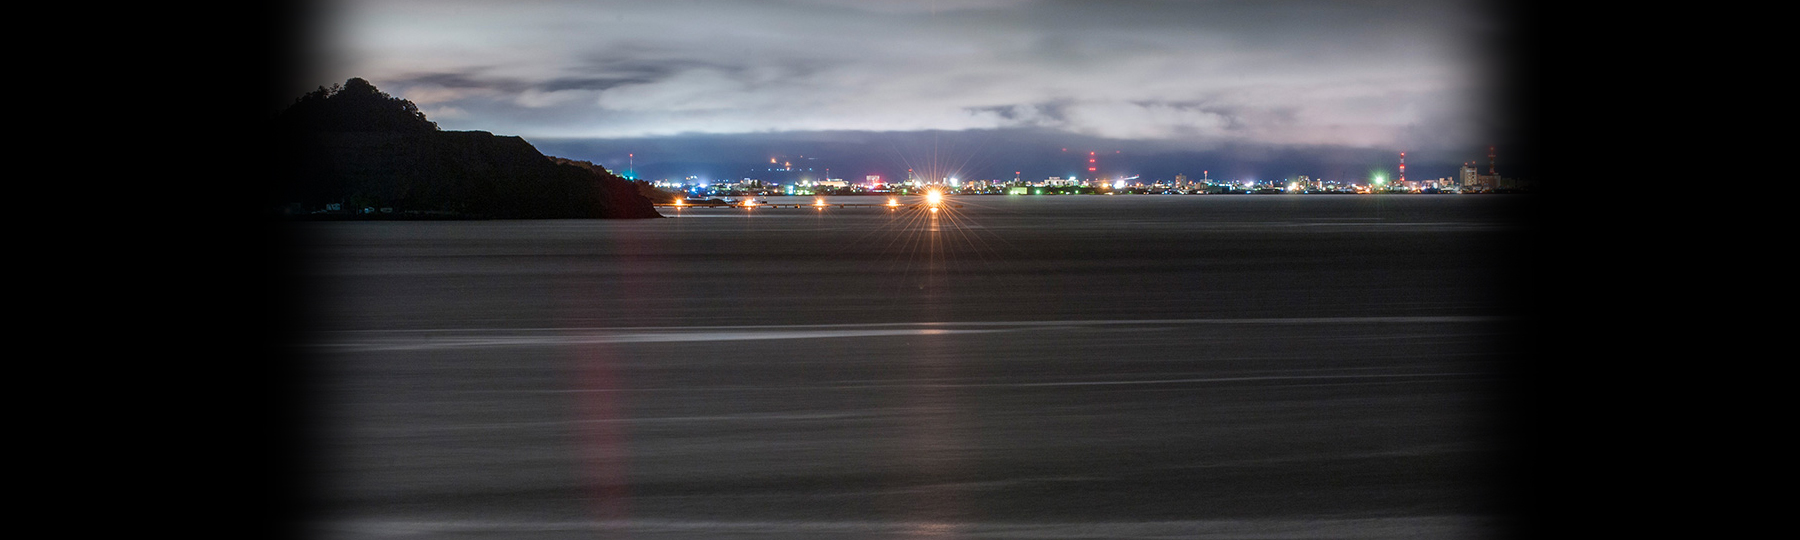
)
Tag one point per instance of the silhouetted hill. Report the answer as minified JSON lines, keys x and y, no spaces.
{"x":355,"y":106}
{"x":358,"y":148}
{"x":643,"y":188}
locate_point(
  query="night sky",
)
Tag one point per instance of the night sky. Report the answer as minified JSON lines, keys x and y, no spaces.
{"x":976,"y":89}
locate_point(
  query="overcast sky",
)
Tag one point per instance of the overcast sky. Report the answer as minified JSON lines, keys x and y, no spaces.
{"x":1239,"y":82}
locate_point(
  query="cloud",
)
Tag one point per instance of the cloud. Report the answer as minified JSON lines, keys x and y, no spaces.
{"x":914,"y":6}
{"x":447,"y":112}
{"x":1360,"y":73}
{"x":537,"y":99}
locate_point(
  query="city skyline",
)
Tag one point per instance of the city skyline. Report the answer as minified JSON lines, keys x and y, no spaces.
{"x":1254,"y":90}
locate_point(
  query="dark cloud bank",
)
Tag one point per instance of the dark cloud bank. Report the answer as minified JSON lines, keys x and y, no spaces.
{"x":1243,"y":90}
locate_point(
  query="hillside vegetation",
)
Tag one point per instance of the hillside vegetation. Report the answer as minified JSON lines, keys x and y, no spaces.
{"x":373,"y":155}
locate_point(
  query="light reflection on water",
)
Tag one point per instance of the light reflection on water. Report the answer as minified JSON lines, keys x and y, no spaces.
{"x":1066,"y":366}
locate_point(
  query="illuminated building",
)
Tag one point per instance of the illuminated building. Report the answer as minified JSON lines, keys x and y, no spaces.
{"x":1467,"y":177}
{"x":1472,"y":180}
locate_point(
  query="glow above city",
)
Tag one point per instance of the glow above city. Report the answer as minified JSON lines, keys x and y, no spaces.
{"x":1246,"y":84}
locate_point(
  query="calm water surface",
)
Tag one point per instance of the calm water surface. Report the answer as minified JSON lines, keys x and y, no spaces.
{"x":1016,"y":367}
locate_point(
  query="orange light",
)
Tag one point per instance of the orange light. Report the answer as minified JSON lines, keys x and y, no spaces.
{"x":934,"y":197}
